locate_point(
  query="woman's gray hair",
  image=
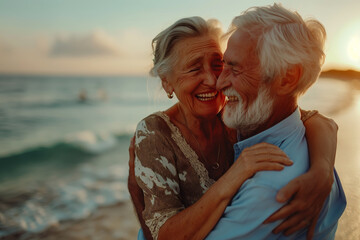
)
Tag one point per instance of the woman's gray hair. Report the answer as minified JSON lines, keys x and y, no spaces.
{"x":164,"y":43}
{"x":284,"y":40}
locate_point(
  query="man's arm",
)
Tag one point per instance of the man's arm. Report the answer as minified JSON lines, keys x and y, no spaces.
{"x":309,"y":191}
{"x":136,"y":193}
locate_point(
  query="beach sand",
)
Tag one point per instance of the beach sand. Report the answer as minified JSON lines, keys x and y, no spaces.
{"x":120,"y":222}
{"x":348,"y":164}
{"x":107,"y":223}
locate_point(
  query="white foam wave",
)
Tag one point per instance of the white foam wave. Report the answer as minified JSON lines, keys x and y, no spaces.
{"x":69,"y":199}
{"x":92,"y":142}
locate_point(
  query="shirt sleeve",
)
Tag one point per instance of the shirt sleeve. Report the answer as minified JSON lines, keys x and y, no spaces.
{"x":244,"y":217}
{"x":156,"y":174}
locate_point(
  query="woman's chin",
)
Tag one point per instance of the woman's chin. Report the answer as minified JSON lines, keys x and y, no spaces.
{"x":210,"y":111}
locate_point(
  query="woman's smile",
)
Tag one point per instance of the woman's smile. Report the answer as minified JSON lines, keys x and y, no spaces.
{"x":207,"y":96}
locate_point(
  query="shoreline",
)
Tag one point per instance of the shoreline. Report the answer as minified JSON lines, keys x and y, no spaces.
{"x":347,"y":165}
{"x":349,"y":100}
{"x":116,"y":222}
{"x":340,"y":98}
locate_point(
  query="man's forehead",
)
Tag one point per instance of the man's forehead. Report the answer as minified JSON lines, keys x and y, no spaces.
{"x":231,"y":56}
{"x":239,"y":48}
{"x":229,"y":59}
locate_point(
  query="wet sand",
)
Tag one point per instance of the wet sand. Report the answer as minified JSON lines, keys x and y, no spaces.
{"x":348,"y":165}
{"x":344,"y":107}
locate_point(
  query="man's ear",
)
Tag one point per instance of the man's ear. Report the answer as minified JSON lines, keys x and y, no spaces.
{"x":166,"y":85}
{"x":287,"y":84}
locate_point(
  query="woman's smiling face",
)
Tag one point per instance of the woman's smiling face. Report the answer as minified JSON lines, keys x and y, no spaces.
{"x":194,"y":76}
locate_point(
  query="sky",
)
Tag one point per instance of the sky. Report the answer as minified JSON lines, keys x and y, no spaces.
{"x":113,"y":37}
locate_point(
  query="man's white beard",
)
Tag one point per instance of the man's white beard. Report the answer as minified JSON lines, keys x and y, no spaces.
{"x":257,"y":113}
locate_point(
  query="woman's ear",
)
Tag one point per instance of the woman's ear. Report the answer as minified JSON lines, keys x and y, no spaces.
{"x":167,"y":85}
{"x":288,"y":84}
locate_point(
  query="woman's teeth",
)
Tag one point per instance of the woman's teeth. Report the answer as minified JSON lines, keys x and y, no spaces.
{"x":207,"y":96}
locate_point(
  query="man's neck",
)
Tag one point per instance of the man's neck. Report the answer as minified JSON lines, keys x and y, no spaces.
{"x":280,"y":112}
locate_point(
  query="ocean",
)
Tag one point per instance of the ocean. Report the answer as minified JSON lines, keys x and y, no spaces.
{"x":64,"y":145}
{"x":64,"y":142}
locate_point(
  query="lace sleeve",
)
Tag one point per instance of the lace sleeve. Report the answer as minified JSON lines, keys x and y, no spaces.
{"x":305,"y":114}
{"x":156,"y":173}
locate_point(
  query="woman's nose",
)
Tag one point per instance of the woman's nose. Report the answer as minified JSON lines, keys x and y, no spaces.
{"x":210,"y":78}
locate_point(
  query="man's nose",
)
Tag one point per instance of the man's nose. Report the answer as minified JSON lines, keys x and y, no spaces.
{"x":222,"y":81}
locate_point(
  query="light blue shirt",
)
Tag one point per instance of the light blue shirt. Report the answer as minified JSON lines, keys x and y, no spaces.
{"x":256,"y":199}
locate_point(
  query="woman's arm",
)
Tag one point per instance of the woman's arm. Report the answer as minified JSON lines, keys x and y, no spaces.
{"x":156,"y":174}
{"x":136,"y":193}
{"x":309,"y":191}
{"x":196,"y":221}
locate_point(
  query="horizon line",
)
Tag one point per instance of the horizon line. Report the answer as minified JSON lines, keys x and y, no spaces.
{"x":40,"y":74}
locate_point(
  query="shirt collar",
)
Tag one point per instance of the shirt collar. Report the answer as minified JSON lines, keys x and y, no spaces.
{"x":274,"y":135}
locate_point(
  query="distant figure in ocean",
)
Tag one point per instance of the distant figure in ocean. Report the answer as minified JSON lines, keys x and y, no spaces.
{"x":184,"y":155}
{"x":82,"y":96}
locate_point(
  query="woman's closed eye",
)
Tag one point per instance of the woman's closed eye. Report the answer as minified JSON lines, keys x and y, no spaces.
{"x":236,"y":71}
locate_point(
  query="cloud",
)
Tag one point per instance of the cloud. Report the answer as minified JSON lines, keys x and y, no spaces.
{"x":97,"y":43}
{"x":135,"y":44}
{"x":125,"y":52}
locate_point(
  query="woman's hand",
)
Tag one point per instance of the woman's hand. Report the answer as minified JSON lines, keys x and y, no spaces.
{"x":307,"y":193}
{"x":260,"y":157}
{"x":201,"y":217}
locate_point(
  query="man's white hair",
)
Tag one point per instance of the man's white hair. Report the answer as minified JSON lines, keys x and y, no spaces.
{"x":284,"y":40}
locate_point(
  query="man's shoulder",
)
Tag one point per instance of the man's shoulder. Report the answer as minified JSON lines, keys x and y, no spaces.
{"x":278,"y":179}
{"x":296,"y":149}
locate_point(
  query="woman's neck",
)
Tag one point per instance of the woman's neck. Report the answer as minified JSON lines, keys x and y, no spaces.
{"x":207,"y":136}
{"x":201,"y":127}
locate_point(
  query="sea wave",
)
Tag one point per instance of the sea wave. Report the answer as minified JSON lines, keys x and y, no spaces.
{"x":75,"y":148}
{"x":36,"y":208}
{"x":82,"y":181}
{"x":87,"y":142}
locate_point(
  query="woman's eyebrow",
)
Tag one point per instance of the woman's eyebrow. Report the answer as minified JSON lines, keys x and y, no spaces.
{"x":192,"y":61}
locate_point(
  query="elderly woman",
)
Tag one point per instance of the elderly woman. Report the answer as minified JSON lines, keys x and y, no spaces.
{"x":184,"y":157}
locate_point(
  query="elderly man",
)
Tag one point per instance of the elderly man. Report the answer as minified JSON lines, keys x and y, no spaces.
{"x":273,"y":56}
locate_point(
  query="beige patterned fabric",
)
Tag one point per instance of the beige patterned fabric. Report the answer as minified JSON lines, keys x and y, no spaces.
{"x":167,"y":169}
{"x":305,"y":114}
